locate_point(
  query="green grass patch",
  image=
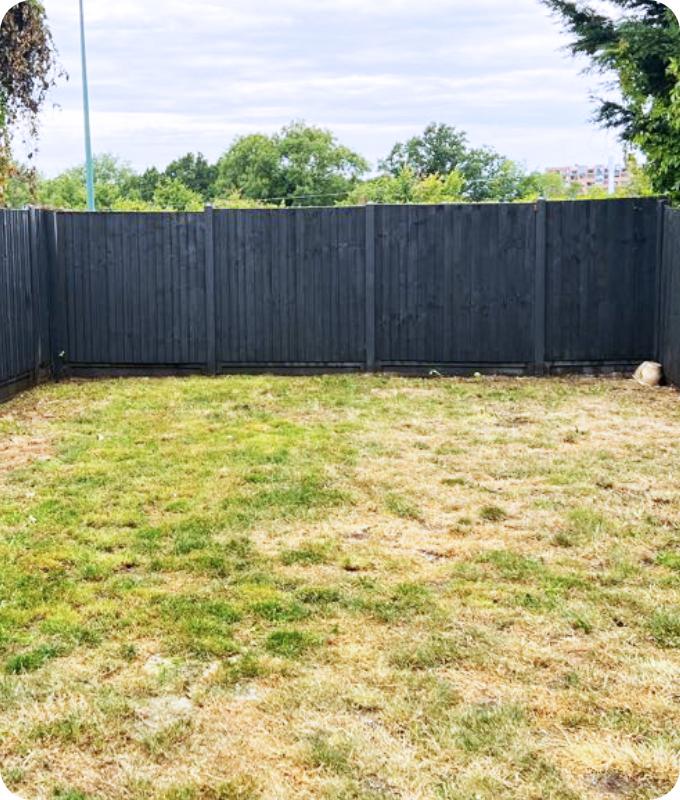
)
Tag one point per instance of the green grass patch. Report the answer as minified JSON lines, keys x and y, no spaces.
{"x":232,"y":541}
{"x":31,"y":660}
{"x":493,"y":514}
{"x":465,"y":646}
{"x":402,"y":507}
{"x":488,"y":729}
{"x":308,"y":554}
{"x":290,"y":643}
{"x":665,"y":627}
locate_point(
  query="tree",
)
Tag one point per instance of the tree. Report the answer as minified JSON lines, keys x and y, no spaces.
{"x":195,"y":172}
{"x":490,"y":176}
{"x":300,"y":165}
{"x":438,"y":151}
{"x":147,"y":182}
{"x":27,"y":67}
{"x":316,"y":168}
{"x":251,"y":167}
{"x":443,"y":150}
{"x":172,"y":195}
{"x":406,"y":187}
{"x":550,"y":185}
{"x":637,"y":42}
{"x":236,"y":200}
{"x":114,"y":181}
{"x":65,"y":191}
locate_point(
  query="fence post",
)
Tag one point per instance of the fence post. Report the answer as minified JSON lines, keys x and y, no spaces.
{"x":370,"y":287}
{"x":659,"y":280}
{"x":56,"y":299}
{"x":540,"y":289}
{"x":210,"y":306}
{"x":36,"y":292}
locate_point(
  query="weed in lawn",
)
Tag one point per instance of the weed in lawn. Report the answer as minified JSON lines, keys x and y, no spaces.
{"x":584,"y":526}
{"x":323,"y":596}
{"x":670,"y":559}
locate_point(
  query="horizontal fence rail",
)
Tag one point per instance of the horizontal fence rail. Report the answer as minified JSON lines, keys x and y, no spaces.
{"x":533,"y":288}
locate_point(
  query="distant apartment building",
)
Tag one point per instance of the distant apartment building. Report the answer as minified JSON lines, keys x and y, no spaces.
{"x":597,"y":175}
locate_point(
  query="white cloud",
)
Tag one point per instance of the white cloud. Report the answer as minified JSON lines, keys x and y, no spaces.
{"x":167,"y":76}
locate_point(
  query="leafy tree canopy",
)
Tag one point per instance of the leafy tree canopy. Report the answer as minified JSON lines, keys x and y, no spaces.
{"x":438,"y":151}
{"x":442,"y":149}
{"x":173,"y":195}
{"x":407,"y":187}
{"x":27,"y":66}
{"x":147,"y":182}
{"x":251,"y":167}
{"x":195,"y":172}
{"x":637,"y":42}
{"x":114,"y":181}
{"x":302,"y":165}
{"x":299,"y":166}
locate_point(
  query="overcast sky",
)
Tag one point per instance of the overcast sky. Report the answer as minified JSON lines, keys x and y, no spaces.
{"x":169,"y":76}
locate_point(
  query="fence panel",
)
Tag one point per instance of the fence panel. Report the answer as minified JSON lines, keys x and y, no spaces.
{"x":507,"y":287}
{"x":290,"y":287}
{"x":601,"y":281}
{"x":454,"y":284}
{"x":19,"y":357}
{"x":669,"y":316}
{"x":133,"y":288}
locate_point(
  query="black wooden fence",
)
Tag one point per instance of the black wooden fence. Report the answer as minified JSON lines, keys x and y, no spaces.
{"x":515,"y":288}
{"x":669,"y":296}
{"x":24,"y":314}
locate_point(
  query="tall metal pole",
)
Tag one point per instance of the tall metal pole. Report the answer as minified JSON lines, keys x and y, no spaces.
{"x":89,"y":166}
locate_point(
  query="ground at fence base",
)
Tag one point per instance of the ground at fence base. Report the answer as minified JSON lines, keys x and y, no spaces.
{"x":21,"y":383}
{"x":102,"y":371}
{"x":424,"y":369}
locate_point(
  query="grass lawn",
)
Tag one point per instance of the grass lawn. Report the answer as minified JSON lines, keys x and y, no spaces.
{"x":340,"y":587}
